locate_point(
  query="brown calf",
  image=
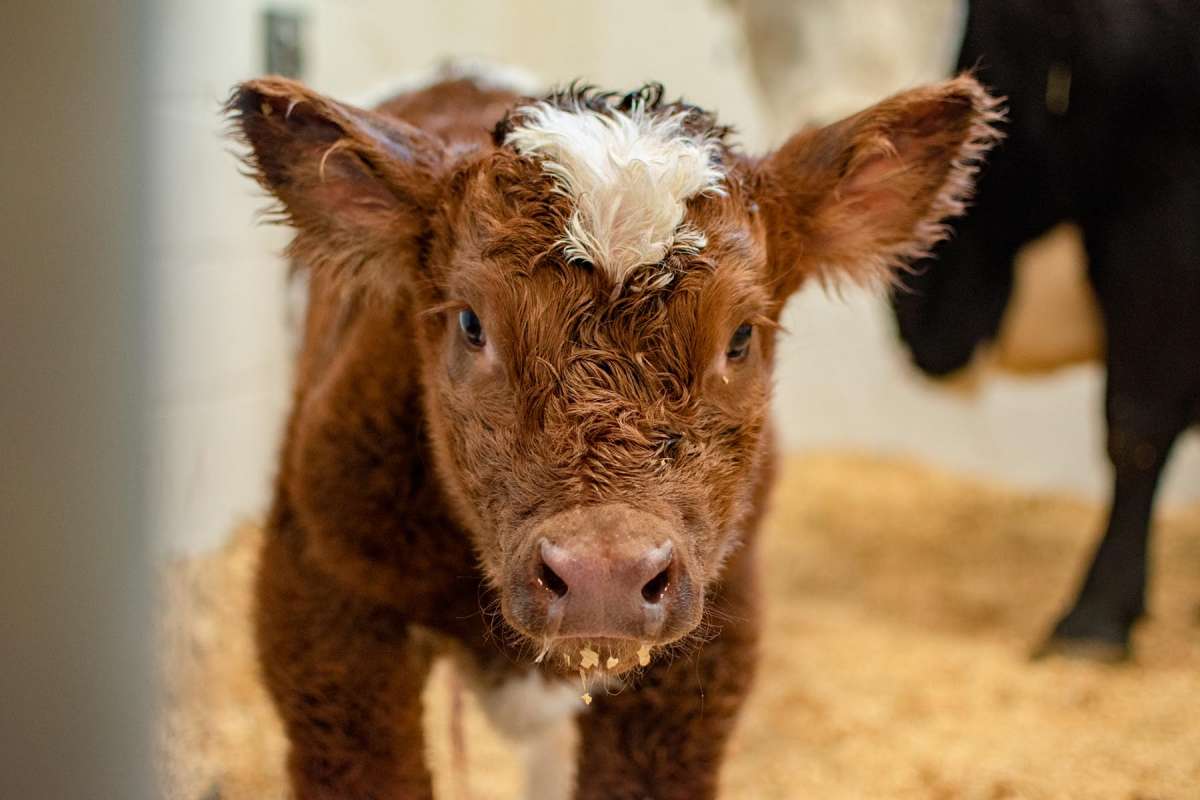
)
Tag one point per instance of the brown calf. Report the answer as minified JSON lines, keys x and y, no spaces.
{"x":530,"y":423}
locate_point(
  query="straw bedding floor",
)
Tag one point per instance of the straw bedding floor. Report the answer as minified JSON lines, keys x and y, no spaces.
{"x":902,"y":602}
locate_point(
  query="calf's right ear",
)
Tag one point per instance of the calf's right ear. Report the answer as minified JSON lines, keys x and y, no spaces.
{"x":355,"y":185}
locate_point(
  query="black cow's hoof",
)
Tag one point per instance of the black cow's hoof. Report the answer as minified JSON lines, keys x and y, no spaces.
{"x":1079,"y":638}
{"x":1098,"y":650}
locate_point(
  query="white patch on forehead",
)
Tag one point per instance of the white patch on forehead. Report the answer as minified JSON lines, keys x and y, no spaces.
{"x":629,"y":175}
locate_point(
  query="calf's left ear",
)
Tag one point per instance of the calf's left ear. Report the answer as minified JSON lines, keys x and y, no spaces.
{"x":862,"y":197}
{"x":355,"y":185}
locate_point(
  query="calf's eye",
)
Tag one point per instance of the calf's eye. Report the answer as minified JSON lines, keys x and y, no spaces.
{"x":472,"y":328}
{"x":739,"y":343}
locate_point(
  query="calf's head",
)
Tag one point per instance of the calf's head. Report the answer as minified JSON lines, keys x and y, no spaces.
{"x":595,"y":299}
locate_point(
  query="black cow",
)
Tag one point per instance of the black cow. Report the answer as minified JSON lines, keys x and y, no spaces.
{"x":1104,"y":107}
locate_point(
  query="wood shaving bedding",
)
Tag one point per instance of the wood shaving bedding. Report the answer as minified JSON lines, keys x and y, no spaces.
{"x":900,"y":603}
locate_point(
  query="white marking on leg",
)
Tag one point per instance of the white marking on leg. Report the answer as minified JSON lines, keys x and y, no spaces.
{"x":539,"y":714}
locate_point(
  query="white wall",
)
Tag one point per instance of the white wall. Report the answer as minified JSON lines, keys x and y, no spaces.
{"x":222,"y":346}
{"x":220,"y":340}
{"x":843,"y":380}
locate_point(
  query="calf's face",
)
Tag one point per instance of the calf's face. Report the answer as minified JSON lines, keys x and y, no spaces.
{"x":595,"y":302}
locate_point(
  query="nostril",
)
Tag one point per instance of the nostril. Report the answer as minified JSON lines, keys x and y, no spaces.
{"x":548,"y":579}
{"x":656,"y":587}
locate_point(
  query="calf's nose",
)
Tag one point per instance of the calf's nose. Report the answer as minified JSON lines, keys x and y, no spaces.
{"x":608,"y":593}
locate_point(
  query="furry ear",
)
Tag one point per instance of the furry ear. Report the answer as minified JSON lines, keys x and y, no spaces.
{"x":355,"y":185}
{"x":862,"y":197}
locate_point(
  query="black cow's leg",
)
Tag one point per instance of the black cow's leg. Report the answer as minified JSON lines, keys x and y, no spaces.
{"x":1112,"y":597}
{"x":1141,"y":266}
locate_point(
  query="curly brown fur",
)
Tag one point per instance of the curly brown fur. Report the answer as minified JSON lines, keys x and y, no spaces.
{"x":419,"y":470}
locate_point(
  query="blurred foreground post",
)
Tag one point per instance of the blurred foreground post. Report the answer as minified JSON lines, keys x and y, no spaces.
{"x":75,"y":604}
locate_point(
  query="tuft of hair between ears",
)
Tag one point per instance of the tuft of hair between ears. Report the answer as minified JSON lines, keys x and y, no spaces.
{"x":628,"y":164}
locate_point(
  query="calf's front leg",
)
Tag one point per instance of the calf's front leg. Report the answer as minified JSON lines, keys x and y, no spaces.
{"x":664,"y":738}
{"x":346,"y":676}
